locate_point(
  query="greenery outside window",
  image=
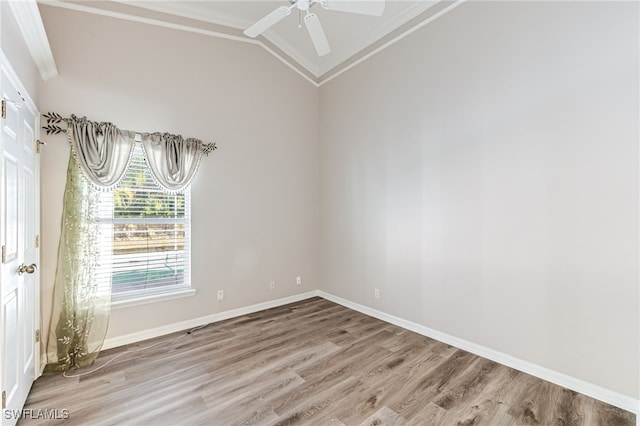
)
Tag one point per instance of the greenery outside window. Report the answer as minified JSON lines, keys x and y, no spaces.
{"x":144,"y":236}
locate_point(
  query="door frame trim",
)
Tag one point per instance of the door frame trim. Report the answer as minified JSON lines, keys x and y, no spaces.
{"x":7,"y":68}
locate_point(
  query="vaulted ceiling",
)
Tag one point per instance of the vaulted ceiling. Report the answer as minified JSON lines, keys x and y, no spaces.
{"x":347,"y":33}
{"x":352,"y":37}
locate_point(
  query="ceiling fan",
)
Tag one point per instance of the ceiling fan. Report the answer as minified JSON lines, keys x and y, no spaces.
{"x":311,"y":21}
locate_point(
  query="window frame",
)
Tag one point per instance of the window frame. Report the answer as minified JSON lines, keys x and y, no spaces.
{"x":152,"y":294}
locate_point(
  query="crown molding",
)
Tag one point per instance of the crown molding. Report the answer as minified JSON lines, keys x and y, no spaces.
{"x":187,"y":10}
{"x":29,"y":21}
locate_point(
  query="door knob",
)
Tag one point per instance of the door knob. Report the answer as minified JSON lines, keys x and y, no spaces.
{"x":28,"y":269}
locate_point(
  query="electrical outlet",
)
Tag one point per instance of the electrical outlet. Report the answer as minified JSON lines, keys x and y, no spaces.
{"x":298,"y":280}
{"x":220,"y":294}
{"x":376,"y":293}
{"x":272,"y":285}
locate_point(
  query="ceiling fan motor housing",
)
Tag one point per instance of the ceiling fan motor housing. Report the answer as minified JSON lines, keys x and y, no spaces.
{"x":303,"y":5}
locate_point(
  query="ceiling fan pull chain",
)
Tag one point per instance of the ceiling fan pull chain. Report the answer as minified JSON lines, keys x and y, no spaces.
{"x":299,"y":19}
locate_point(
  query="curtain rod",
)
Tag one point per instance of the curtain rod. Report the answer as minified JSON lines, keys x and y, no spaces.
{"x":53,"y":128}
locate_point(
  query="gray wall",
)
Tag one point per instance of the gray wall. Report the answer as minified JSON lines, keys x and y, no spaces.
{"x":255,"y":200}
{"x":483,"y":174}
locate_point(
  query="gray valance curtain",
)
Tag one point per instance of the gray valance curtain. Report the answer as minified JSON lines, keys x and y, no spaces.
{"x":101,"y":149}
{"x":173,"y":160}
{"x":103,"y":153}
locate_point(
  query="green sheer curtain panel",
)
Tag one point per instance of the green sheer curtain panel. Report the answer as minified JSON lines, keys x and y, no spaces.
{"x":80,"y":313}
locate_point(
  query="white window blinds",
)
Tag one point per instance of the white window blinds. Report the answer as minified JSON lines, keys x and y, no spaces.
{"x":144,"y":233}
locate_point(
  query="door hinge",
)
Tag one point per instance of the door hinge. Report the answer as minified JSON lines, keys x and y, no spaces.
{"x":39,"y":144}
{"x":4,"y":108}
{"x":37,"y":243}
{"x":4,"y":254}
{"x":4,"y":399}
{"x":37,"y":336}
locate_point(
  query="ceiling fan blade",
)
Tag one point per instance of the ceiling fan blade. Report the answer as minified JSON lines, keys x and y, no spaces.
{"x":316,"y":32}
{"x":363,"y":7}
{"x":267,"y":22}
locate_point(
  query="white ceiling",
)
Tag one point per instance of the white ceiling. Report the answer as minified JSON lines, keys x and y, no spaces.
{"x":347,"y":33}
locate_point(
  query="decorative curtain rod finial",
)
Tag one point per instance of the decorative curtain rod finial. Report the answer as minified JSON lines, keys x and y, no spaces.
{"x":208,"y":147}
{"x":52,"y":127}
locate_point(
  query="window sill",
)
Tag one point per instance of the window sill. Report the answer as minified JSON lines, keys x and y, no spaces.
{"x":152,"y":298}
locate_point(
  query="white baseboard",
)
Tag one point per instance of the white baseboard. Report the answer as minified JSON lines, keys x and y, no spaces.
{"x":196,"y":322}
{"x":586,"y":388}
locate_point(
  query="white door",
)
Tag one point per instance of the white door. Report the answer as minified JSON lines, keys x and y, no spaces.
{"x":19,"y":210}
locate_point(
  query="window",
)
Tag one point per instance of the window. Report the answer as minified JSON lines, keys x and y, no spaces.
{"x":144,"y":236}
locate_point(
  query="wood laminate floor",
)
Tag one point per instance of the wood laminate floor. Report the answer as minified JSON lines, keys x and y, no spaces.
{"x":312,"y":363}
